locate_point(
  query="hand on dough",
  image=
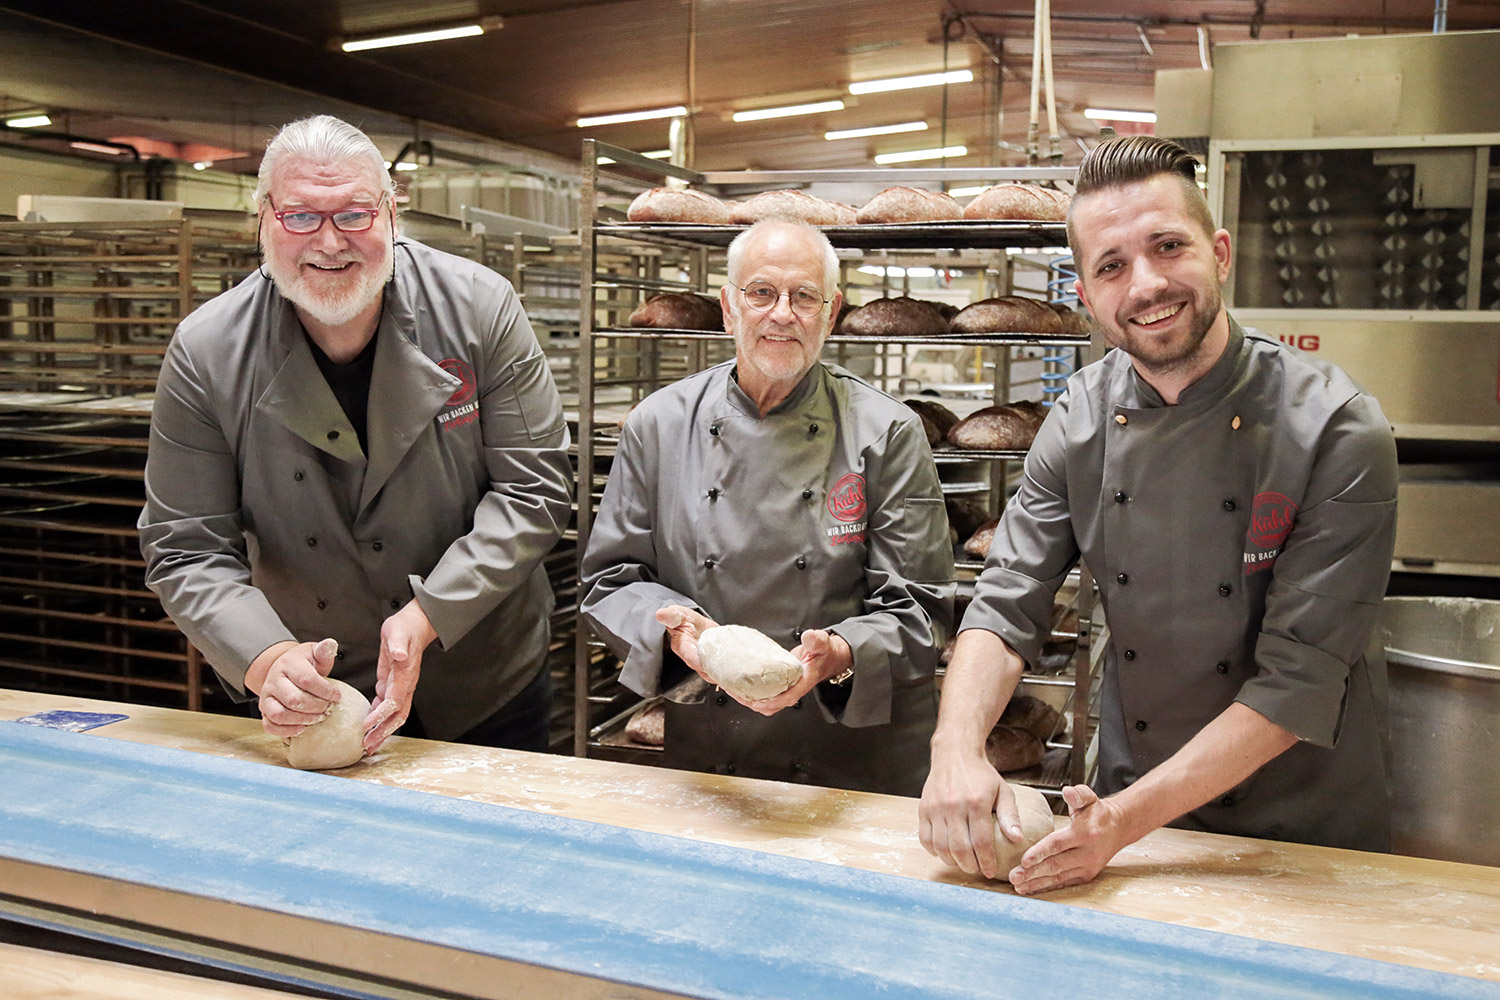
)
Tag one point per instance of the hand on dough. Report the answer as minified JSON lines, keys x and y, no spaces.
{"x":295,"y":691}
{"x":956,"y":816}
{"x":823,"y":655}
{"x":1076,"y":853}
{"x":683,"y":626}
{"x":403,"y":638}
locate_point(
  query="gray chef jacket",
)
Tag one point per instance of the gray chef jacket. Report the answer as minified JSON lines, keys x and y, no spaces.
{"x":825,"y":513}
{"x":266,"y":521}
{"x":1241,"y":540}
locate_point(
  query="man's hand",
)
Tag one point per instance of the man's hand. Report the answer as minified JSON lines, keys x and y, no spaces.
{"x":403,"y":638}
{"x":960,"y":802}
{"x":292,"y":681}
{"x":1078,"y":852}
{"x":823,"y":655}
{"x":684,"y":626}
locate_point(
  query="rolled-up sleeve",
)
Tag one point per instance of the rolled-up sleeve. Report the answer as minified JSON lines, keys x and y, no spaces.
{"x":529,"y":501}
{"x":1033,"y":549}
{"x":908,"y":608}
{"x":191,"y":531}
{"x":1330,"y":579}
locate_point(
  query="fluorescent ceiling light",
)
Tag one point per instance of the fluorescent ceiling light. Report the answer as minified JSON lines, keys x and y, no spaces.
{"x":203,"y":164}
{"x":28,"y":121}
{"x":655,"y":154}
{"x":910,"y":82}
{"x":966,"y":192}
{"x":415,"y":37}
{"x":857,"y":133}
{"x":761,"y":114}
{"x":408,"y":165}
{"x":1111,"y":115}
{"x":922,"y":154}
{"x":94,"y":147}
{"x":675,"y":111}
{"x":899,"y":272}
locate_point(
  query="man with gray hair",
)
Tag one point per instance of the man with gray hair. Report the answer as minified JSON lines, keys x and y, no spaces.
{"x":784,"y":494}
{"x":357,"y":463}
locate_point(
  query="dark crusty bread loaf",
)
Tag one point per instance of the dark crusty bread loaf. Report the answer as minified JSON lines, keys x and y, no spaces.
{"x":937,"y":419}
{"x":1033,"y":715}
{"x":1027,"y":202}
{"x":1074,"y":322}
{"x":1011,"y":749}
{"x":679,"y":311}
{"x":1007,"y":427}
{"x":677,"y":205}
{"x":978,"y":544}
{"x":1008,"y":314}
{"x":967,"y":514}
{"x":798,"y":205}
{"x":895,"y":317}
{"x":906,"y":204}
{"x":648,"y":726}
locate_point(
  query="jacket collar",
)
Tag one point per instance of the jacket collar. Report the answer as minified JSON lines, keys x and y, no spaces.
{"x":1214,"y":384}
{"x":800,"y":398}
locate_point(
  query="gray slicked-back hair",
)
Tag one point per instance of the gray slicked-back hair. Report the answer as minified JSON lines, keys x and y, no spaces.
{"x":324,"y":139}
{"x":830,"y":258}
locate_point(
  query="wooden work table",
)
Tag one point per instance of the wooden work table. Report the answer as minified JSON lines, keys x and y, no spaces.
{"x":1410,"y":911}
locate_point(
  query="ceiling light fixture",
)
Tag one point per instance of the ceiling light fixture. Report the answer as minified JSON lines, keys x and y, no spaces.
{"x":655,"y":154}
{"x":675,"y":111}
{"x":911,"y":82}
{"x":1114,"y":115}
{"x":94,"y":147}
{"x":761,"y":114}
{"x":202,"y":164}
{"x":466,"y":30}
{"x":912,"y":155}
{"x":28,"y":121}
{"x":858,"y":133}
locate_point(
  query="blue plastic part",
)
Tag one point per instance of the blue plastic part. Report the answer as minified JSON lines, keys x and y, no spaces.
{"x":644,"y":909}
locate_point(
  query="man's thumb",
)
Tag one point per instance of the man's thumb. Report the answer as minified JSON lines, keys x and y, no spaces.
{"x":323,"y":655}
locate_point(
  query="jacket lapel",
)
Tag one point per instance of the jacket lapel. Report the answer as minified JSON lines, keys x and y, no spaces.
{"x":407,"y":391}
{"x":298,"y":397}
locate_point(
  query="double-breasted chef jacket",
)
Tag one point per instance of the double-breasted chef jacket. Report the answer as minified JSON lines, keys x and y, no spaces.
{"x":1241,"y":540}
{"x":266,"y":521}
{"x":825,"y":513}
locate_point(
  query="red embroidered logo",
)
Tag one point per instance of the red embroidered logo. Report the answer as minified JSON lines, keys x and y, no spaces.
{"x":1271,"y":520}
{"x":846,"y":501}
{"x":461,"y":371}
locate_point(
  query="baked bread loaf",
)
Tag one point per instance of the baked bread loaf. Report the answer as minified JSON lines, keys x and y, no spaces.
{"x":895,"y":317}
{"x":649,"y":726}
{"x":677,"y":205}
{"x":798,"y":205}
{"x":1008,"y":314}
{"x":1011,"y":749}
{"x":967,"y":514}
{"x":1074,"y":322}
{"x":845,"y":308}
{"x":679,"y":311}
{"x":1033,"y":715}
{"x":1025,"y":202}
{"x":1008,"y":427}
{"x":937,"y":419}
{"x":906,"y":204}
{"x":978,"y":544}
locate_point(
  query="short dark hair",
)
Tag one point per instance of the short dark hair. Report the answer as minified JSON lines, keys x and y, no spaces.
{"x":1130,"y":159}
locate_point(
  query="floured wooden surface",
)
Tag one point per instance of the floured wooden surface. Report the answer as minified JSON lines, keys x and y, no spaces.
{"x":1410,"y":911}
{"x":33,"y":974}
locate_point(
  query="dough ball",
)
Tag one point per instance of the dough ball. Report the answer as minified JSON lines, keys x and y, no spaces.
{"x":746,"y":663}
{"x":1036,"y":823}
{"x":336,"y":741}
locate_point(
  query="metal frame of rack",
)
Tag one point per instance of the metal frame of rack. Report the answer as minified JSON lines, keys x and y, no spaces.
{"x":691,"y":245}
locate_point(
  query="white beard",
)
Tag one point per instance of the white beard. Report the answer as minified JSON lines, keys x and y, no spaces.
{"x":338,"y":302}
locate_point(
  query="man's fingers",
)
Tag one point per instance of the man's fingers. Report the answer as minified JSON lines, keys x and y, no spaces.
{"x":324,"y":655}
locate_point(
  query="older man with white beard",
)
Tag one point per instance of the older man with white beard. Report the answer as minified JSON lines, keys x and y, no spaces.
{"x":785,"y":494}
{"x":360,"y":443}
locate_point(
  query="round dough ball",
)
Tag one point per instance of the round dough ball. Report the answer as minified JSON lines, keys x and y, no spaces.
{"x":1036,"y":823}
{"x":746,"y":663}
{"x":336,"y":741}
